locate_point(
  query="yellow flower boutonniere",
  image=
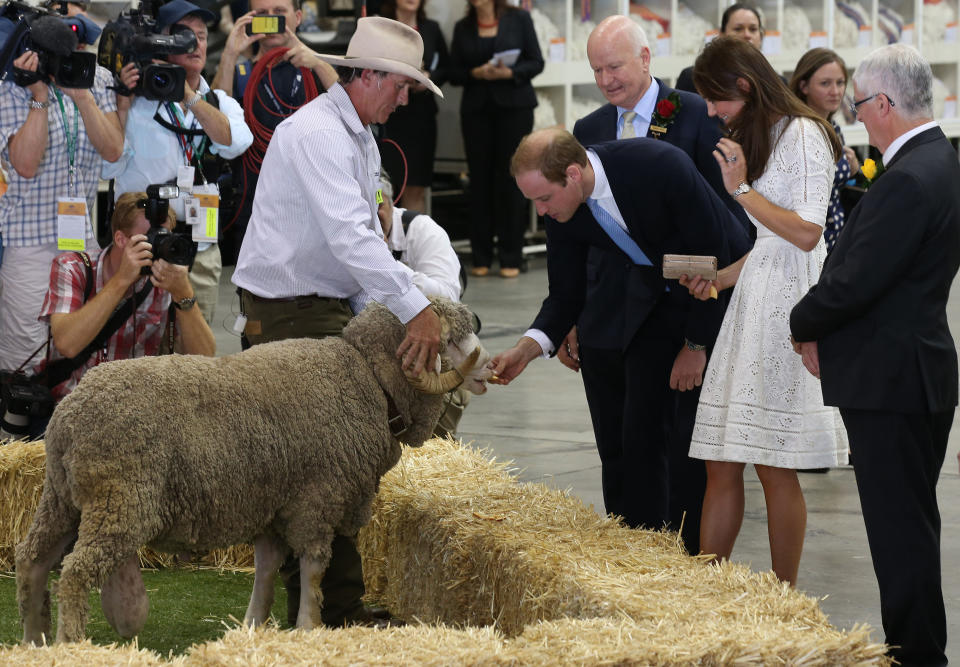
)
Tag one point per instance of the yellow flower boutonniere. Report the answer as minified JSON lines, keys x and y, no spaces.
{"x":871,"y":171}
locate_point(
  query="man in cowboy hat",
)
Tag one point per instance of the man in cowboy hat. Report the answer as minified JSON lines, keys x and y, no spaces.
{"x":313,"y":254}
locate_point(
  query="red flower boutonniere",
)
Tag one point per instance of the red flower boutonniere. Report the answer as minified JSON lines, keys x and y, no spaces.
{"x":664,"y":113}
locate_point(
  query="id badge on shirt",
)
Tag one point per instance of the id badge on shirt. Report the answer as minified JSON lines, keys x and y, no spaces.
{"x":71,"y":224}
{"x":202,"y":212}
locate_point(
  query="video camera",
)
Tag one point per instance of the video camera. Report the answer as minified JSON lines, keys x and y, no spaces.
{"x":54,"y":38}
{"x":174,"y":248}
{"x":133,"y":38}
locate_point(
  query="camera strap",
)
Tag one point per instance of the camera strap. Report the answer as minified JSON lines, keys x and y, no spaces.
{"x":61,"y":369}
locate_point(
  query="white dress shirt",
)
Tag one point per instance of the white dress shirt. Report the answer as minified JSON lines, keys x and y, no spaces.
{"x":644,"y":110}
{"x":898,"y":143}
{"x":425,"y":249}
{"x":314,"y":227}
{"x":152,"y":154}
{"x":603,"y":195}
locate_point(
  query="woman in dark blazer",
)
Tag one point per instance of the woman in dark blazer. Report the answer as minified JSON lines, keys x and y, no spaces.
{"x":414,"y":127}
{"x":496,"y":111}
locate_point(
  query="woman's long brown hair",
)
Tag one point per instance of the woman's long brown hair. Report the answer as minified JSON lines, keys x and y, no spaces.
{"x":723,"y":63}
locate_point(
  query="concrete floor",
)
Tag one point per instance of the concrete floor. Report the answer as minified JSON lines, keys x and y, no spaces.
{"x":541,"y":423}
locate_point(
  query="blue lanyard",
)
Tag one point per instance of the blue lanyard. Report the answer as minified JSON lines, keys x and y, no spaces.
{"x":71,"y":139}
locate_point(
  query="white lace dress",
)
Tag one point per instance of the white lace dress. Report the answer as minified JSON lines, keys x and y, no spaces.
{"x":758,"y":403}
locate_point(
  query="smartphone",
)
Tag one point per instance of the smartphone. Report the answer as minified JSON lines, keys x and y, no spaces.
{"x":265,"y":24}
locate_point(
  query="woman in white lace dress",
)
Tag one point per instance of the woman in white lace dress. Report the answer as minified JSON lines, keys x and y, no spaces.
{"x":758,"y":404}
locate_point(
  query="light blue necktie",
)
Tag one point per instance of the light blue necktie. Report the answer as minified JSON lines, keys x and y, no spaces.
{"x":617,"y":234}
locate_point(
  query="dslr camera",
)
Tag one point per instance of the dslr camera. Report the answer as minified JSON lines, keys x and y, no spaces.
{"x":174,"y":248}
{"x":54,"y":38}
{"x":23,"y":398}
{"x":133,"y":38}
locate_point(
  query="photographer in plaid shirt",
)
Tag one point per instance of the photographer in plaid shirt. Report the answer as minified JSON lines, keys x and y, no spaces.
{"x":52,"y":140}
{"x":116,"y":275}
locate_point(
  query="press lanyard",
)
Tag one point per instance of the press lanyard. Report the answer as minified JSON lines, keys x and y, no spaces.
{"x":71,"y":139}
{"x":186,"y":145}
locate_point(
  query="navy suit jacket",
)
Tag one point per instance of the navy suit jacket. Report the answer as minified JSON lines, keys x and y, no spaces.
{"x":602,"y":322}
{"x":668,"y":208}
{"x":878,"y":310}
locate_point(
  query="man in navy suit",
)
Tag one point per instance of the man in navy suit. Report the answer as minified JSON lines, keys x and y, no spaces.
{"x":620,"y":57}
{"x":877,"y":337}
{"x":650,"y":192}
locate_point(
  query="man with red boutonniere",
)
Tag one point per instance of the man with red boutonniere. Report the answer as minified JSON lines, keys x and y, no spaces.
{"x":640,"y":106}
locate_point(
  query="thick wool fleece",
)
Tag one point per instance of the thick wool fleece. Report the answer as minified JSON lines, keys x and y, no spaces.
{"x":195,"y":453}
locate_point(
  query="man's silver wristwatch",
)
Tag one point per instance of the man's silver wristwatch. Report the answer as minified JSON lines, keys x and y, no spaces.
{"x":34,"y":104}
{"x":186,"y":303}
{"x":742,"y":189}
{"x":193,"y":100}
{"x":694,"y":347}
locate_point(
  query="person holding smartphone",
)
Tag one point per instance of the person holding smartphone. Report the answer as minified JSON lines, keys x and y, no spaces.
{"x":269,"y":25}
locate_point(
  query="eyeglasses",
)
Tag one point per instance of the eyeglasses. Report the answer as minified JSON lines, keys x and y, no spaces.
{"x":855,"y":105}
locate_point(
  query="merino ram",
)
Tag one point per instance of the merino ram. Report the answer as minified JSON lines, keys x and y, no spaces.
{"x":283,"y":445}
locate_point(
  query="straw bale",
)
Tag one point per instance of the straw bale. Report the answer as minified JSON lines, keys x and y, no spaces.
{"x":454,"y":538}
{"x":83,"y":654}
{"x":21,"y":484}
{"x":405,"y":646}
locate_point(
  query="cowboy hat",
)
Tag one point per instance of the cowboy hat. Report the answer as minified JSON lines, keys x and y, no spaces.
{"x":385,"y":45}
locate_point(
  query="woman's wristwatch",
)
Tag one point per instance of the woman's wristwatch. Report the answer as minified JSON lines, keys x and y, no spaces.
{"x":742,"y":189}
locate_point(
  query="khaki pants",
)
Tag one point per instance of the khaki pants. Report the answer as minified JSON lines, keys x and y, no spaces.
{"x":311,"y":317}
{"x":301,"y":317}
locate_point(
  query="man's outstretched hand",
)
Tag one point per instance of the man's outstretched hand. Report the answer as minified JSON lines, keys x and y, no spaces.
{"x":509,"y":364}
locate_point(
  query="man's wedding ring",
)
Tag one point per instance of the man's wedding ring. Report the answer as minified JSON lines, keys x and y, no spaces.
{"x":732,"y":158}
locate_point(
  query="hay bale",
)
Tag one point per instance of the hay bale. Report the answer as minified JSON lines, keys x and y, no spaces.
{"x":21,"y":484}
{"x":597,"y":641}
{"x":83,"y":653}
{"x":455,"y":539}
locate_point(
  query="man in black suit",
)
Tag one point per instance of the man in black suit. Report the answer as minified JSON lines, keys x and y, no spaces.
{"x":877,"y":336}
{"x":652,"y":192}
{"x":620,"y":57}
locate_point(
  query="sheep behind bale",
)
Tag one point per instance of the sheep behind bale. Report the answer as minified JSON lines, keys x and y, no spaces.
{"x":283,"y":444}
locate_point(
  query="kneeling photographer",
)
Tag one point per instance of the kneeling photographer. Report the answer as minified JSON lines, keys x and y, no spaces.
{"x":185,"y":140}
{"x":159,"y":306}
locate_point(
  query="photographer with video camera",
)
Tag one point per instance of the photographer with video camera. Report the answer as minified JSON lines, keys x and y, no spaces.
{"x":58,"y":120}
{"x":185,"y":140}
{"x":144,"y":265}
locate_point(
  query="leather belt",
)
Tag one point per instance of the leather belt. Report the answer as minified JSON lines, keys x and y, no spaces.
{"x":291,"y":299}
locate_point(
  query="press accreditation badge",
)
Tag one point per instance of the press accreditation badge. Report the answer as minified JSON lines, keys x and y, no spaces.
{"x":71,"y":224}
{"x":202,"y":212}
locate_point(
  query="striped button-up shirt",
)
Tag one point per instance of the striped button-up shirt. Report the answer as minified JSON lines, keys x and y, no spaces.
{"x":140,"y":336}
{"x":314,"y":227}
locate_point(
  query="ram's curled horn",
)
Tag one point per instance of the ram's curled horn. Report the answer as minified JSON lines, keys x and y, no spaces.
{"x":430,"y":382}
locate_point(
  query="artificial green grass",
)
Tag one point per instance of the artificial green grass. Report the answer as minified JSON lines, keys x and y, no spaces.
{"x":186,"y":607}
